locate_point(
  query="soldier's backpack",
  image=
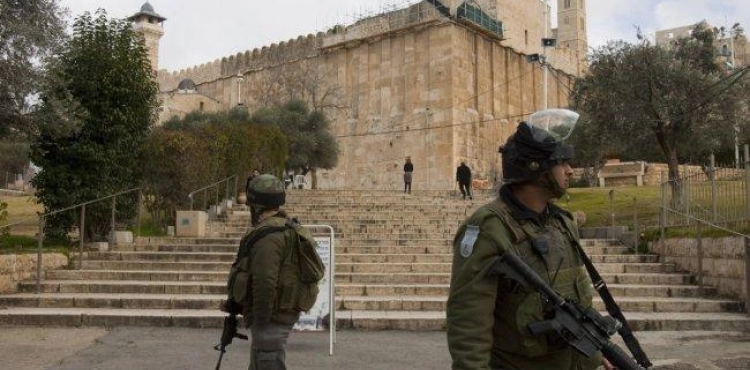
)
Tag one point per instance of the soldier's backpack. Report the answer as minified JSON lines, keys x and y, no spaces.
{"x":303,"y":255}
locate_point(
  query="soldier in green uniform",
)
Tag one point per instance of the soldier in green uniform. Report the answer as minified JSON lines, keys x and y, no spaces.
{"x":488,"y":315}
{"x":263,"y":280}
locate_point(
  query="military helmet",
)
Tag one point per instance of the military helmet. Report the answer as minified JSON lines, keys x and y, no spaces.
{"x":266,"y":190}
{"x":537,"y":145}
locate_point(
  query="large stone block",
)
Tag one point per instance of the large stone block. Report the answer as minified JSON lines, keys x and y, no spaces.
{"x":191,"y":223}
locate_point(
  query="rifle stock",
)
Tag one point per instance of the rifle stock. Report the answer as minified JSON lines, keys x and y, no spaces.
{"x":584,"y":329}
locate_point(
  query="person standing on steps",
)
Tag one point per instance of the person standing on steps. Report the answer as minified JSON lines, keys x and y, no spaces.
{"x":408,"y":169}
{"x":463,"y":176}
{"x":488,"y":315}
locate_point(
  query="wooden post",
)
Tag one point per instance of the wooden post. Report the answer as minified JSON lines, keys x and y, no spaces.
{"x":662,"y":214}
{"x":712,"y":171}
{"x":635,"y":225}
{"x":138,"y":215}
{"x":612,"y":214}
{"x":747,"y":273}
{"x":112,"y":232}
{"x":40,"y":243}
{"x":700,"y":256}
{"x":747,"y":181}
{"x":82,"y":237}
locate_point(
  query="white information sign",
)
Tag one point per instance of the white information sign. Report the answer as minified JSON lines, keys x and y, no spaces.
{"x":313,"y":319}
{"x":324,"y":310}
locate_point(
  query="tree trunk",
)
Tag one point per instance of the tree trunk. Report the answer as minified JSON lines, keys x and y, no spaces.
{"x":314,"y":176}
{"x":675,"y":183}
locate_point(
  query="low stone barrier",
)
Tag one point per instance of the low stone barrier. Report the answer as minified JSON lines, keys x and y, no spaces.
{"x":723,"y":261}
{"x":17,"y":267}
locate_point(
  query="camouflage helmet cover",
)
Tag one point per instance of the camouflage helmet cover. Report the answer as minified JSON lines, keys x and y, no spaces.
{"x":266,"y":190}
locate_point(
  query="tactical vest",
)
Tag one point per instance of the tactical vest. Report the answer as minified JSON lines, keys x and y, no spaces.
{"x":548,"y":251}
{"x":296,"y":291}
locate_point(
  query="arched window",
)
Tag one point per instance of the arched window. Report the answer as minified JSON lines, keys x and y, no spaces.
{"x":567,"y":4}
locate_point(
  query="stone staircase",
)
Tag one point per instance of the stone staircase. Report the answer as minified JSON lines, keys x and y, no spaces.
{"x":393,"y":260}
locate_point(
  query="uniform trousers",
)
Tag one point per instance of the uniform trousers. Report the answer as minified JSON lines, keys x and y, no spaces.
{"x":268,"y":351}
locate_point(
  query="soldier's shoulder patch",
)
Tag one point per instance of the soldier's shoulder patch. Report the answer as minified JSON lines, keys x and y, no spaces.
{"x":467,"y":242}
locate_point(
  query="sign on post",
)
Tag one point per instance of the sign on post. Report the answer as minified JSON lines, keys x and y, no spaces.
{"x":323,"y":310}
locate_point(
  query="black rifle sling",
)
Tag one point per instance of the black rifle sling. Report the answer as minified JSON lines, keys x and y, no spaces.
{"x":609,"y":302}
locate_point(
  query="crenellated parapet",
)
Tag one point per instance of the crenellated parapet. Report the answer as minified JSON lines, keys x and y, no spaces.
{"x":203,"y":73}
{"x":259,"y":58}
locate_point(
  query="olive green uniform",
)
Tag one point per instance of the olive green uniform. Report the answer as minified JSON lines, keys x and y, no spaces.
{"x":488,"y":316}
{"x":273,"y":281}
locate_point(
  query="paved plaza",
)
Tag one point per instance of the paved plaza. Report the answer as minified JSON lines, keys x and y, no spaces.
{"x":127,"y":348}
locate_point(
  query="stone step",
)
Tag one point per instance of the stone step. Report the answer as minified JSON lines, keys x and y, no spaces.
{"x":443,"y":249}
{"x":104,"y":317}
{"x":392,"y":215}
{"x":141,"y":241}
{"x":126,"y":287}
{"x":392,"y":267}
{"x":346,"y":319}
{"x":349,"y":258}
{"x":411,"y":242}
{"x":157,"y":266}
{"x":369,"y":303}
{"x":112,"y":300}
{"x":123,"y":275}
{"x":435,"y":320}
{"x":180,"y":248}
{"x":356,"y":224}
{"x":632,"y":304}
{"x":163,"y":257}
{"x":379,"y":237}
{"x":421,"y":278}
{"x":354,"y":229}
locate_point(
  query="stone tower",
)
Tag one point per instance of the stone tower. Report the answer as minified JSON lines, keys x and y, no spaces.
{"x":571,"y":26}
{"x":150,"y":24}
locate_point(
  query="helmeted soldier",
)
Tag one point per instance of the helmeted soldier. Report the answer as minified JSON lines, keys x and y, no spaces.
{"x":488,"y":315}
{"x":264,"y":285}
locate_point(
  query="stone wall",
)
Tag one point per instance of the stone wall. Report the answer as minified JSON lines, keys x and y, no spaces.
{"x":723,"y":262}
{"x":176,"y":103}
{"x":432,"y":89}
{"x":17,"y":267}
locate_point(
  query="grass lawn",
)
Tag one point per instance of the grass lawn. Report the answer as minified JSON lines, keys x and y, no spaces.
{"x":595,"y":203}
{"x":21,"y":208}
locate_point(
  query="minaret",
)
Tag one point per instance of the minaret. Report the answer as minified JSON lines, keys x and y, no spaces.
{"x":151,"y":26}
{"x":571,"y":27}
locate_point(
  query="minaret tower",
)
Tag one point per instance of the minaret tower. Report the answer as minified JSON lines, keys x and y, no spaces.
{"x":151,"y":26}
{"x":571,"y":28}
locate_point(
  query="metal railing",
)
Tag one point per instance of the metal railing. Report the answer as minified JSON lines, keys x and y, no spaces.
{"x":709,"y":203}
{"x":81,"y":227}
{"x":230,"y":190}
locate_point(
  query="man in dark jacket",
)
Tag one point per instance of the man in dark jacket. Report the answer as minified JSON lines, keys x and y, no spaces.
{"x":463,"y":176}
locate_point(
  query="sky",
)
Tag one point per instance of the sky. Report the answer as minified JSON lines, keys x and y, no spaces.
{"x":197,"y":32}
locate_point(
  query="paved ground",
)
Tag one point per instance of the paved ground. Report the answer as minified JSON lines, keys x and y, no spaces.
{"x":32,"y":348}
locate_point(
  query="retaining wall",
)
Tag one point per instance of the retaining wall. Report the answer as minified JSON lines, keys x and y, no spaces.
{"x":17,"y":267}
{"x":723,"y":261}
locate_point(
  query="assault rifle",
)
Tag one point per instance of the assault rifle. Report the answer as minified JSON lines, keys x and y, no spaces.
{"x":582,"y":328}
{"x":229,"y":333}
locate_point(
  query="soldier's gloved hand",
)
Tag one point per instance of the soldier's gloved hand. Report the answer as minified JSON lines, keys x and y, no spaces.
{"x":230,"y":307}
